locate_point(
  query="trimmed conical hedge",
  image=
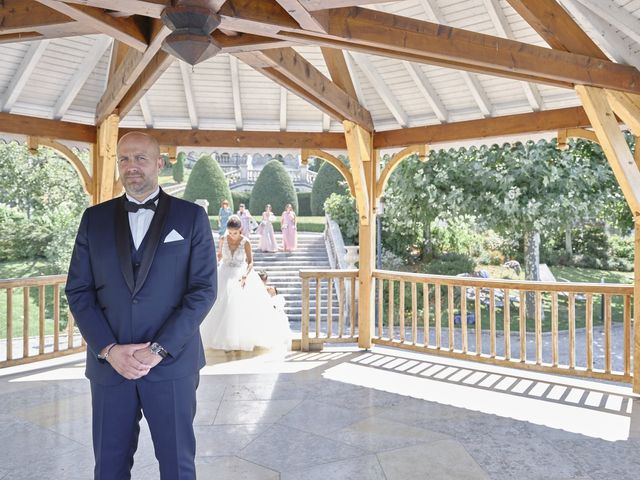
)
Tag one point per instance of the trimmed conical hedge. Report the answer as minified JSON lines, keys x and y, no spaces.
{"x":328,"y":181}
{"x":207,"y":180}
{"x":178,"y":168}
{"x":273,"y":186}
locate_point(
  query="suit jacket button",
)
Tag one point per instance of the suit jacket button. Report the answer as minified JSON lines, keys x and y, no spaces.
{"x":135,"y":301}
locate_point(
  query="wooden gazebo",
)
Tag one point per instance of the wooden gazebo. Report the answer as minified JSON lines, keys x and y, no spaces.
{"x":327,"y":75}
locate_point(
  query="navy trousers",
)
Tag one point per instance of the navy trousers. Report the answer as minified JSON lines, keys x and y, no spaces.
{"x":169,"y":407}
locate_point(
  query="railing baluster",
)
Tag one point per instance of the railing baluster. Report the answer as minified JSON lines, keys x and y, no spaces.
{"x":329,"y":307}
{"x":9,"y":323}
{"x":425,"y":314}
{"x":492,"y":322}
{"x":507,"y":324}
{"x":56,"y":317}
{"x":25,"y":322}
{"x":589,"y":330}
{"x":450,"y":312}
{"x":523,"y":326}
{"x":304,"y":343}
{"x":352,"y":313}
{"x":41,"y":311}
{"x":380,"y":283}
{"x":438,"y":313}
{"x":414,"y":312}
{"x":627,"y":334}
{"x":554,"y":329}
{"x":572,"y":330}
{"x":607,"y":333}
{"x":463,"y":319}
{"x":318,"y":303}
{"x":478,"y":324}
{"x":401,"y":311}
{"x":391,"y":308}
{"x":538,"y":327}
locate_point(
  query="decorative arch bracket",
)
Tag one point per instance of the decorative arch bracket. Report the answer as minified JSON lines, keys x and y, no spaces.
{"x":306,"y":153}
{"x":381,"y":183}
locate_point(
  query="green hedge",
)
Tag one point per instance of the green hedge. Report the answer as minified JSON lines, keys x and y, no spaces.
{"x":178,"y":168}
{"x":273,"y":186}
{"x":207,"y":180}
{"x":240,"y":197}
{"x":304,"y":204}
{"x":305,"y":224}
{"x":328,"y":181}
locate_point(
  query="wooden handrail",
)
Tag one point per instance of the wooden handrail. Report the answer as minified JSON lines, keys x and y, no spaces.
{"x":609,"y":288}
{"x":32,"y":281}
{"x":328,"y":273}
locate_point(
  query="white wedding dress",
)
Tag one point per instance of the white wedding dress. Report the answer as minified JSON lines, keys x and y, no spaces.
{"x":243,"y":318}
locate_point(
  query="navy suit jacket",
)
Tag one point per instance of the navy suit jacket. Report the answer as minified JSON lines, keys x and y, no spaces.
{"x":175,"y":288}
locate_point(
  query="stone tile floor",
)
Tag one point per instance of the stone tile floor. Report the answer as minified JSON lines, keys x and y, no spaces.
{"x":344,"y":414}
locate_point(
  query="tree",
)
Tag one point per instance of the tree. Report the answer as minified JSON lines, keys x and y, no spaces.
{"x":328,"y":181}
{"x":207,"y":181}
{"x":178,"y":168}
{"x":273,"y":186}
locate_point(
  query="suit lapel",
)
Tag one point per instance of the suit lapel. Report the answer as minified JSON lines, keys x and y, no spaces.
{"x":122,"y":243}
{"x":153,"y":239}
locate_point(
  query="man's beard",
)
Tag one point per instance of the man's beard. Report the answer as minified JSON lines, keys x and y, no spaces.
{"x":138,"y":186}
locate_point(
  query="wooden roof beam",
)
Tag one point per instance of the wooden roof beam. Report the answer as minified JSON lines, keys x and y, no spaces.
{"x":146,"y":112}
{"x":149,"y":8}
{"x":244,"y":139}
{"x":283,"y":109}
{"x":126,"y":30}
{"x":185,"y":72}
{"x":147,"y":65}
{"x":289,"y":69}
{"x":40,"y":127}
{"x":547,"y":120}
{"x":304,"y":17}
{"x":21,"y":76}
{"x":313,"y":5}
{"x":338,"y":69}
{"x":427,"y":91}
{"x":557,"y":27}
{"x":235,"y":91}
{"x":616,"y":15}
{"x":24,"y":16}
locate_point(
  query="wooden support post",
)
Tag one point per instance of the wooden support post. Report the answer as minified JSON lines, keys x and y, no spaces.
{"x":104,"y":160}
{"x":364,"y":166}
{"x":600,"y":106}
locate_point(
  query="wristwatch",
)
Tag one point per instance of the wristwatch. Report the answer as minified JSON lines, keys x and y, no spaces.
{"x":158,"y":350}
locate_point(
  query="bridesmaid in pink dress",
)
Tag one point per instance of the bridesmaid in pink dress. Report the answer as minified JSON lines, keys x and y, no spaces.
{"x":267,"y":236}
{"x":289,"y":231}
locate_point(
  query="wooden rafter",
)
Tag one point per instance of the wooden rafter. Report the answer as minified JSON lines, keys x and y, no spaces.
{"x":616,"y":15}
{"x":235,"y":91}
{"x":21,"y":76}
{"x":146,"y":112}
{"x":627,"y":107}
{"x":427,"y":91}
{"x":313,"y":5}
{"x":185,"y":72}
{"x":283,"y":109}
{"x":149,"y":8}
{"x":246,"y":42}
{"x":80,"y":77}
{"x":556,"y":27}
{"x":304,"y":17}
{"x":338,"y":69}
{"x":126,"y":30}
{"x":289,"y":69}
{"x":20,"y":16}
{"x":359,"y":29}
{"x":134,"y":76}
{"x":244,"y":139}
{"x":546,"y":120}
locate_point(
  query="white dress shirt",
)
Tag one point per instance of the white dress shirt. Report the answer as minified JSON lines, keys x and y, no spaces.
{"x":139,"y":221}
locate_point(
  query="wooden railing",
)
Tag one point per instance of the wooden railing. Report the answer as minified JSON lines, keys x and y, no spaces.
{"x":320,"y":288}
{"x":573,"y":328}
{"x":41,"y":332}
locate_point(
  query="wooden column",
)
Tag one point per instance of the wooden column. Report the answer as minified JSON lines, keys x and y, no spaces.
{"x":104,"y":160}
{"x":600,"y":109}
{"x":364,"y":165}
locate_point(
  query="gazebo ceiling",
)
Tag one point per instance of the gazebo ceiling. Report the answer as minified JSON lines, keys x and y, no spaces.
{"x":399,"y":72}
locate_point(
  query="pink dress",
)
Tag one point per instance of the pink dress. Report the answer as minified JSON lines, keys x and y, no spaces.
{"x":267,"y":236}
{"x":289,"y":232}
{"x":245,"y":220}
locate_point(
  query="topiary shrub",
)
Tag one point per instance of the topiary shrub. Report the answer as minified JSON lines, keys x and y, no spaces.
{"x":274,"y":186}
{"x":240,"y":197}
{"x":178,"y":168}
{"x":451,"y":264}
{"x":207,"y":181}
{"x":304,"y":204}
{"x":328,"y":181}
{"x":343,"y":211}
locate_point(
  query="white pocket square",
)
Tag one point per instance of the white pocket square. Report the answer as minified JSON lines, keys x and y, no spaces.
{"x":173,"y":237}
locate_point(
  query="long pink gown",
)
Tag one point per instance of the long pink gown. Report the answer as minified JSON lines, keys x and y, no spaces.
{"x":267,"y":236}
{"x":289,"y":231}
{"x":245,"y":220}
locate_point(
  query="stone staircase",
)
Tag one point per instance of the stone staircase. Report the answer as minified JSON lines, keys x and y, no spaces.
{"x":283,"y":270}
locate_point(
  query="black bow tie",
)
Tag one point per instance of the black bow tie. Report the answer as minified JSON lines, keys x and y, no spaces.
{"x":133,"y":207}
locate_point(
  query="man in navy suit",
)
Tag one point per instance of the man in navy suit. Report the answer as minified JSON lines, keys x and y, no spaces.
{"x":141,"y":280}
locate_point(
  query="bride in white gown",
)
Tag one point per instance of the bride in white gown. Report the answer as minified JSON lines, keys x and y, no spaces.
{"x":243,"y":316}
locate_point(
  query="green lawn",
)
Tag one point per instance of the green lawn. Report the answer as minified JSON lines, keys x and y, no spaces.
{"x":305,"y":224}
